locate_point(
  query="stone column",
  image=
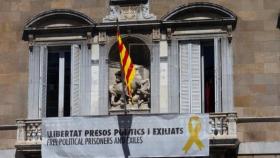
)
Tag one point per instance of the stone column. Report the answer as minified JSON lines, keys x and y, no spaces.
{"x":103,"y":74}
{"x":21,"y":135}
{"x":155,"y":72}
{"x":163,"y":75}
{"x":95,"y":77}
{"x":232,"y":128}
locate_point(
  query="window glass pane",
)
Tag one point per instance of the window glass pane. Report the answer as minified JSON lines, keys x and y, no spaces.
{"x":52,"y":87}
{"x":53,"y":77}
{"x":67,"y":82}
{"x":207,"y":49}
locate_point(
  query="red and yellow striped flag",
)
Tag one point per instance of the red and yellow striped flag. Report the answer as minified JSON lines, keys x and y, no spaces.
{"x":127,"y":65}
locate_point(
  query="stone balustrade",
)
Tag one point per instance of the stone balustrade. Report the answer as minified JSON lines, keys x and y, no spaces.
{"x":29,"y":132}
{"x":222,"y":127}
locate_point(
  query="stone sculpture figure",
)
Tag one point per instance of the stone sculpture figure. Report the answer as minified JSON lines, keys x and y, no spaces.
{"x":116,"y":91}
{"x":141,"y":91}
{"x":113,"y":14}
{"x":139,"y":98}
{"x":146,"y":12}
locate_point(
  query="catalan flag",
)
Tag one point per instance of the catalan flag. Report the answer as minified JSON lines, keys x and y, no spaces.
{"x":127,"y":65}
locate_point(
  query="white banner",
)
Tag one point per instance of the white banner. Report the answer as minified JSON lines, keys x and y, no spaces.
{"x":126,"y":136}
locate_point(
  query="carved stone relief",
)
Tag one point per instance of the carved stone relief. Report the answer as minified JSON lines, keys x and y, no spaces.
{"x":102,"y":37}
{"x":156,"y":34}
{"x":140,"y":97}
{"x":129,"y":13}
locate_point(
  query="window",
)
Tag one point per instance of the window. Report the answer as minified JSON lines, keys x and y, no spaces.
{"x":197,"y":76}
{"x":58,"y":81}
{"x":200,"y":35}
{"x":56,"y":75}
{"x":59,"y":64}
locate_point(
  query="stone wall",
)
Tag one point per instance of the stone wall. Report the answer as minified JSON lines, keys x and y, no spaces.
{"x":14,"y":53}
{"x":258,"y":131}
{"x":256,"y":49}
{"x":260,"y":156}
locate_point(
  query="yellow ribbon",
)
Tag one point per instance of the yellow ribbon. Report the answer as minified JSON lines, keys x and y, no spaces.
{"x":194,"y":134}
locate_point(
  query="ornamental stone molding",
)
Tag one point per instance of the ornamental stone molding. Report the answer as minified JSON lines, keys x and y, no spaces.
{"x":156,"y":34}
{"x":102,"y":37}
{"x":129,"y":12}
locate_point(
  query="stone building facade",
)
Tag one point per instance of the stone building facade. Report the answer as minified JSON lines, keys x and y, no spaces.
{"x":237,"y":48}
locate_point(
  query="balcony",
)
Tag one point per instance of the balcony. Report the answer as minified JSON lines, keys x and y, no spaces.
{"x":222,"y":133}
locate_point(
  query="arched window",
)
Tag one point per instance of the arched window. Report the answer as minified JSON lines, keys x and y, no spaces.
{"x":140,"y":99}
{"x":62,"y":22}
{"x":200,"y":35}
{"x":59,"y":63}
{"x":201,"y":14}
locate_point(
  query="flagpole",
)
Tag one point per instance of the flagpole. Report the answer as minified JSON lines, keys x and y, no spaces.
{"x":122,"y":75}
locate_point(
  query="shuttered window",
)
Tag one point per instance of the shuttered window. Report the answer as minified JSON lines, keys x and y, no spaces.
{"x":190,"y":77}
{"x":43,"y":81}
{"x":75,"y":80}
{"x":200,"y":75}
{"x":37,"y":81}
{"x":59,"y":81}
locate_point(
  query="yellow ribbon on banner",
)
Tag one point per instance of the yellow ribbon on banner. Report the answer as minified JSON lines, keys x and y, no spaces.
{"x":194,"y":134}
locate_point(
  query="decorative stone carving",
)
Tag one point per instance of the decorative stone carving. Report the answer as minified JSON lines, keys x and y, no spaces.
{"x":29,"y":132}
{"x":229,"y":30}
{"x":168,"y":33}
{"x":232,"y":130}
{"x":33,"y":132}
{"x":102,"y":37}
{"x":223,"y":125}
{"x":156,"y":34}
{"x":113,"y":14}
{"x":141,"y":91}
{"x":140,"y":97}
{"x":116,"y":2}
{"x":146,"y":12}
{"x":30,"y":40}
{"x":117,"y":100}
{"x":129,"y":12}
{"x":89,"y":39}
{"x":21,"y":131}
